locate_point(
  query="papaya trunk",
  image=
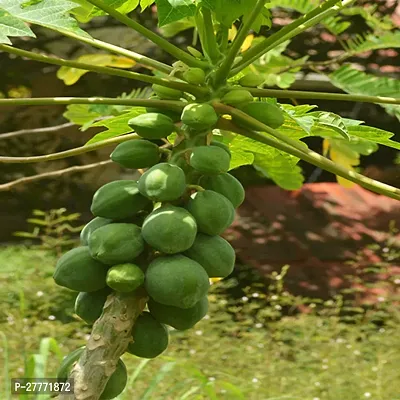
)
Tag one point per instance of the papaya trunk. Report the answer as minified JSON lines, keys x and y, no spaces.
{"x":109,"y":339}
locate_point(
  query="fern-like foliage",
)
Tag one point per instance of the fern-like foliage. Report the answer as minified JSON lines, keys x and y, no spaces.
{"x":357,"y":82}
{"x":370,"y":41}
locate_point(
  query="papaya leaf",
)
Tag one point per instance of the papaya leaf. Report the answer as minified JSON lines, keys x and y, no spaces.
{"x":174,"y":10}
{"x":116,"y":126}
{"x":12,"y":26}
{"x":353,"y":81}
{"x":228,"y":11}
{"x":176,"y":27}
{"x":331,"y":121}
{"x":240,"y":157}
{"x":72,"y":75}
{"x":52,"y":14}
{"x":368,"y":42}
{"x":374,"y":135}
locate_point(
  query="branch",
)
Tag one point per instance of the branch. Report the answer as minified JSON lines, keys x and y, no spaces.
{"x":28,"y":179}
{"x":49,"y":129}
{"x":210,"y":41}
{"x":109,"y":339}
{"x":106,"y":70}
{"x":69,"y":153}
{"x":158,"y":40}
{"x":293,"y":29}
{"x":298,"y":149}
{"x":223,"y":72}
{"x":139,"y":58}
{"x":46,"y":101}
{"x":296,"y":94}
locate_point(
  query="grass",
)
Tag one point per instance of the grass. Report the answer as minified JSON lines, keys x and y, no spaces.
{"x":301,"y":357}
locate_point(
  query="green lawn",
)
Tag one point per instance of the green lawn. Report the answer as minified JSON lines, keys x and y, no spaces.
{"x":303,"y":357}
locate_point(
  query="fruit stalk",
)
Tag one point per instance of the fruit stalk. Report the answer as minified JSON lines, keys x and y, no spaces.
{"x":109,"y":339}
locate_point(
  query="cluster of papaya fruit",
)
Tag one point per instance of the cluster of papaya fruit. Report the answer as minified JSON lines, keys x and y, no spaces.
{"x":161,"y":234}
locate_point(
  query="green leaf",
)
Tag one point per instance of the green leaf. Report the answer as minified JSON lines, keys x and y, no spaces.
{"x":12,"y":26}
{"x":176,"y":27}
{"x":374,"y":135}
{"x":116,"y":126}
{"x":174,"y":10}
{"x":228,"y":11}
{"x":52,"y":14}
{"x":368,"y":42}
{"x":331,"y":121}
{"x":357,"y":82}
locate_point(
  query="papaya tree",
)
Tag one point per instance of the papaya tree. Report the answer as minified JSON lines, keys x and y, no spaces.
{"x":146,"y":259}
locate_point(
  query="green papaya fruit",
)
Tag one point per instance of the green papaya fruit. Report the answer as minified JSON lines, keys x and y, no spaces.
{"x":116,"y":383}
{"x":150,"y":337}
{"x":179,"y":318}
{"x":116,"y":243}
{"x":225,"y":184}
{"x":118,"y":200}
{"x":125,"y":277}
{"x":91,"y":226}
{"x":77,"y":270}
{"x":237,"y":97}
{"x":68,"y":362}
{"x":212,"y":211}
{"x":175,"y":116}
{"x":170,"y":229}
{"x":199,"y":116}
{"x":89,"y":305}
{"x":152,"y":125}
{"x":176,"y":281}
{"x":136,"y":154}
{"x":195,"y":76}
{"x":163,"y":182}
{"x":214,"y":254}
{"x":210,"y":160}
{"x":166,"y":93}
{"x":221,"y":145}
{"x":267,"y":113}
{"x":251,"y":80}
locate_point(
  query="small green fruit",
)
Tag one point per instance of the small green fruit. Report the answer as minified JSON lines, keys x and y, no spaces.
{"x":251,"y":80}
{"x":199,"y":116}
{"x":166,"y":93}
{"x":237,"y":97}
{"x":210,"y":160}
{"x":152,"y":125}
{"x":125,"y":277}
{"x":195,"y":76}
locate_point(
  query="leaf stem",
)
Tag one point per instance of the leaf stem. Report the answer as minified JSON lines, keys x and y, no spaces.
{"x":296,"y":94}
{"x":139,"y":58}
{"x":299,"y":149}
{"x":105,"y":70}
{"x":158,"y":40}
{"x":211,"y":45}
{"x":69,"y":153}
{"x":293,"y":29}
{"x":45,"y":101}
{"x":224,"y":70}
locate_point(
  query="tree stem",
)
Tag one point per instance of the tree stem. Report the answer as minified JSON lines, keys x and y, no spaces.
{"x":295,"y":94}
{"x":299,"y":149}
{"x":139,"y":58}
{"x":109,"y":339}
{"x":106,"y":70}
{"x":293,"y":29}
{"x":158,"y":40}
{"x":224,"y":70}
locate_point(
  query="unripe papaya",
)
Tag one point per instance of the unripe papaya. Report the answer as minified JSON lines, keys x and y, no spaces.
{"x":152,"y":125}
{"x":163,"y":182}
{"x":199,"y":116}
{"x":116,"y":243}
{"x":179,"y":318}
{"x":212,"y":212}
{"x":136,"y":154}
{"x":251,"y":80}
{"x":195,"y":76}
{"x":125,"y":277}
{"x":210,"y":160}
{"x":89,"y":306}
{"x":170,"y":229}
{"x":176,"y":281}
{"x":175,"y":116}
{"x":214,"y":254}
{"x":91,"y":226}
{"x":167,"y":93}
{"x":118,"y":200}
{"x":221,"y":145}
{"x":77,"y":270}
{"x":267,"y":113}
{"x":116,"y":383}
{"x":237,"y":97}
{"x":227,"y":185}
{"x":150,"y":337}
